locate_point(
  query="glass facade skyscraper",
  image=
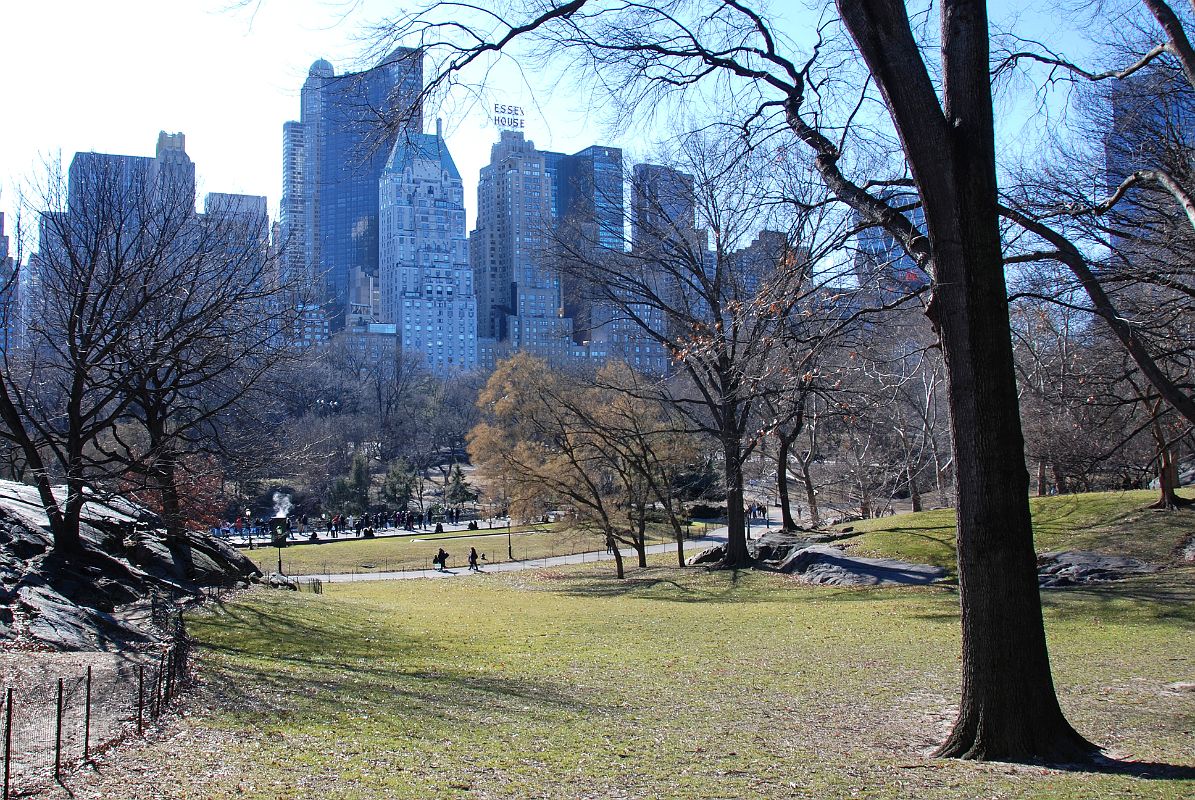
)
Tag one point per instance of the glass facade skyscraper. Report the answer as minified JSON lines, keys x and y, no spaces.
{"x":882,"y":265}
{"x":8,"y":291}
{"x":333,"y":158}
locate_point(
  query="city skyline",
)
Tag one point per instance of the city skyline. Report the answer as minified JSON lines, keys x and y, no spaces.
{"x":110,"y":81}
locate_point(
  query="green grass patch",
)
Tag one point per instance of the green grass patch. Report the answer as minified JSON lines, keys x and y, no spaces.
{"x":672,"y":684}
{"x":1117,"y":523}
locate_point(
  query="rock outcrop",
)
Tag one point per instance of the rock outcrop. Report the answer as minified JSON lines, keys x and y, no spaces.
{"x":1081,"y":567}
{"x":812,"y":559}
{"x":113,"y":594}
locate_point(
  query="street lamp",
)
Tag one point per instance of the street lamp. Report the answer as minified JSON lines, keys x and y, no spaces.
{"x":510,"y":550}
{"x":249,"y":526}
{"x":279,"y":540}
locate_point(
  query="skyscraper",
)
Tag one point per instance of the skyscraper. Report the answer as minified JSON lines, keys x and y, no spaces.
{"x":884,"y":269}
{"x":333,"y":157}
{"x":426,"y":280}
{"x":519,"y":300}
{"x":8,"y":291}
{"x":588,"y":212}
{"x":663,"y":218}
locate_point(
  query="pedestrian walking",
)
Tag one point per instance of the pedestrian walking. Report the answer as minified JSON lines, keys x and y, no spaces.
{"x":473,"y":559}
{"x":441,"y":560}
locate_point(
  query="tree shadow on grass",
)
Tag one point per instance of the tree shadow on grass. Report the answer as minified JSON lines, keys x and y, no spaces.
{"x":1167,"y":595}
{"x":662,"y":589}
{"x":1143,"y":770}
{"x":274,"y":661}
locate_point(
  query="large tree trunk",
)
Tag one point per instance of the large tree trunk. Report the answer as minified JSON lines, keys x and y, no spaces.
{"x":172,"y":513}
{"x":67,"y":541}
{"x":1008,"y":709}
{"x":736,"y":532}
{"x":1060,"y":482}
{"x":1167,"y":472}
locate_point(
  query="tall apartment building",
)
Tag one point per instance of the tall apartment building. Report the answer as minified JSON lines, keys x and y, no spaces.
{"x":520,"y":304}
{"x":107,"y":192}
{"x":527,"y":200}
{"x":146,"y":183}
{"x":333,"y":158}
{"x":425,"y":276}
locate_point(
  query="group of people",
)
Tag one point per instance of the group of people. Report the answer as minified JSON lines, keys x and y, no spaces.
{"x":407,"y":520}
{"x":756,"y":510}
{"x":440,"y":560}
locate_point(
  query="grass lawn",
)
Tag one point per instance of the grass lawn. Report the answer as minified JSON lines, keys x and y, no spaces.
{"x":673,"y":684}
{"x":416,"y":551}
{"x":1112,"y":522}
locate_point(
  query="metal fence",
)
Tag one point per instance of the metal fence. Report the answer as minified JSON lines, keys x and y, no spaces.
{"x":50,"y":727}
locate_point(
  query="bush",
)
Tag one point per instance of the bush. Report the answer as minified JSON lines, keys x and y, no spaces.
{"x":704,"y":511}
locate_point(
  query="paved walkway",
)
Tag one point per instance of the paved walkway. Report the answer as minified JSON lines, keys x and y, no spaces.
{"x":716,"y":536}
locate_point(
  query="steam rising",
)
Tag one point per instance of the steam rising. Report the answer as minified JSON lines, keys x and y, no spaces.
{"x":282,"y":505}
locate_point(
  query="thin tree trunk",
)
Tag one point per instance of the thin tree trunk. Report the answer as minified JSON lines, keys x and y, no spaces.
{"x":1041,"y":478}
{"x":641,"y":536}
{"x":678,"y":533}
{"x":612,"y":545}
{"x":810,"y":494}
{"x":786,"y":514}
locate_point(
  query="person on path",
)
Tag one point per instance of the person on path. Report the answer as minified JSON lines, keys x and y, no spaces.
{"x":441,"y":560}
{"x":473,"y":559}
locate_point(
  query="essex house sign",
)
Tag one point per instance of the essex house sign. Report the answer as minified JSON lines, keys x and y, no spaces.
{"x":508,"y":117}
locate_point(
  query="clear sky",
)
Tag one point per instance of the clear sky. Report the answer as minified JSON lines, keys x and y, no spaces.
{"x":79,"y":75}
{"x":82,"y":75}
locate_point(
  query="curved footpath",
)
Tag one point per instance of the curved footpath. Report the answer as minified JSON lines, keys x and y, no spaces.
{"x":692,"y":546}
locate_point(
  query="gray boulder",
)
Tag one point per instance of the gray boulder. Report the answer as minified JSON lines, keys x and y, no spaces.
{"x":830,"y":566}
{"x":1081,"y":567}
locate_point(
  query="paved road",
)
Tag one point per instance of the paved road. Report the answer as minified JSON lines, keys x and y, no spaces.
{"x":716,"y":536}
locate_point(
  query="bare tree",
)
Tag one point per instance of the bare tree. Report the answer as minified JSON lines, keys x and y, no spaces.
{"x":943,"y":120}
{"x":148,"y":326}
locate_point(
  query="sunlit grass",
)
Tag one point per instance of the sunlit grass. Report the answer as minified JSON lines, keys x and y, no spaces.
{"x":1112,"y":522}
{"x":673,"y":684}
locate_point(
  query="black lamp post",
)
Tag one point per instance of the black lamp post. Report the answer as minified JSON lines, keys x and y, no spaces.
{"x":510,"y":550}
{"x":279,"y":539}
